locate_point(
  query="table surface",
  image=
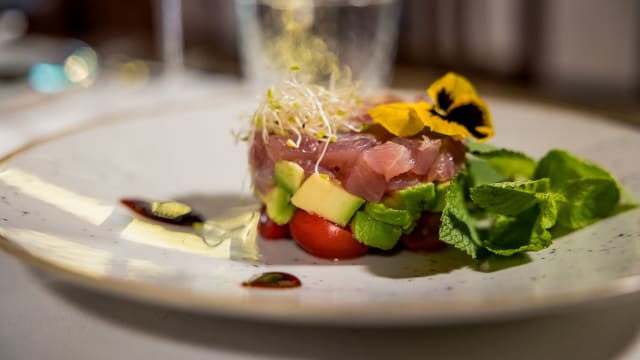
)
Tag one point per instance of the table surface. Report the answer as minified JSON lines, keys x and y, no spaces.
{"x":45,"y":317}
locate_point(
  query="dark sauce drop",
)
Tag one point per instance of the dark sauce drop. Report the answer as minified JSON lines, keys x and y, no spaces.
{"x":170,"y":212}
{"x":273,"y":280}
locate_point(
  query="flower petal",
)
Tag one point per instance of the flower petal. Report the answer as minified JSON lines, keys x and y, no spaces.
{"x":472,"y":113}
{"x":445,"y":90}
{"x":436,"y":123}
{"x":399,"y":119}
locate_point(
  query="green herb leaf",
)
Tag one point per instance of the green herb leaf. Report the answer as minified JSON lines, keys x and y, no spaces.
{"x":561,"y":167}
{"x":585,"y":201}
{"x":509,"y":198}
{"x":529,"y":231}
{"x":457,"y":227}
{"x":586,"y":192}
{"x":476,"y":147}
{"x":567,"y":192}
{"x":482,"y":172}
{"x":524,"y":210}
{"x":511,"y":164}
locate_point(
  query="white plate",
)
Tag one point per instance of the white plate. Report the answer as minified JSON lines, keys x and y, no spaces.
{"x":59,"y":209}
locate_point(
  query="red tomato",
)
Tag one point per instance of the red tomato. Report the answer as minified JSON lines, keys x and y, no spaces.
{"x":426,"y":234}
{"x":270,"y":230}
{"x":323,"y":238}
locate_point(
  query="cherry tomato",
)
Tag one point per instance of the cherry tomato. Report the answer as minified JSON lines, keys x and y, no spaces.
{"x":426,"y":234}
{"x":323,"y":238}
{"x":270,"y":230}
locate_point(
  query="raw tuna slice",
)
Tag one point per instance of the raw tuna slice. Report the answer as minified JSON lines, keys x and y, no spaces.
{"x":278,"y":149}
{"x":389,"y":159}
{"x":343,"y":153}
{"x":261,"y":166}
{"x":443,"y":169}
{"x":403,"y":181}
{"x":364,"y":182}
{"x":423,"y":151}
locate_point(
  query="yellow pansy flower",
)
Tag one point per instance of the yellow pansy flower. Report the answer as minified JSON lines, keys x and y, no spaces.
{"x":445,"y":90}
{"x":458,"y":111}
{"x":456,"y":102}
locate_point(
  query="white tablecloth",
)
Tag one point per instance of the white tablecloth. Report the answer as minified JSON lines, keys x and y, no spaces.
{"x":45,"y":318}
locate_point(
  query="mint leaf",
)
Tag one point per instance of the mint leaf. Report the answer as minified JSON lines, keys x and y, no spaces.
{"x":525,"y":210}
{"x":457,"y":227}
{"x":585,"y":191}
{"x":482,"y":172}
{"x":561,"y":167}
{"x":566,"y":193}
{"x":548,"y":210}
{"x":585,"y":201}
{"x":509,"y":198}
{"x":476,"y":147}
{"x":529,"y":231}
{"x":510,"y":164}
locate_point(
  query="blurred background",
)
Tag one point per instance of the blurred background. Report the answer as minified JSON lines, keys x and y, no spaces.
{"x":579,"y":53}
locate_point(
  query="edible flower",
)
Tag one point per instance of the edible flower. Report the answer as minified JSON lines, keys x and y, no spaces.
{"x":457,"y":111}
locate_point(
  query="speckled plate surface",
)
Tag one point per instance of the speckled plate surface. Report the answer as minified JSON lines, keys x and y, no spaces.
{"x":59,"y":209}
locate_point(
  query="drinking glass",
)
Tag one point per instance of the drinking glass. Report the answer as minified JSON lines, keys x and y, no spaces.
{"x":170,"y":38}
{"x":320,"y":40}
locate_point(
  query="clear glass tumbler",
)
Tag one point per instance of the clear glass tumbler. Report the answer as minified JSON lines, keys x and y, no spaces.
{"x":322,"y":39}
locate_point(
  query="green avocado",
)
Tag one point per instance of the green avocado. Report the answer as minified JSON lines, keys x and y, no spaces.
{"x":414,"y":199}
{"x":439,"y":201}
{"x":289,"y":175}
{"x":321,"y":196}
{"x":385,"y":214}
{"x":278,"y":206}
{"x":374,"y":233}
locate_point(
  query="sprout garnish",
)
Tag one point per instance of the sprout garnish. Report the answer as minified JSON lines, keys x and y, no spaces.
{"x":293,"y":108}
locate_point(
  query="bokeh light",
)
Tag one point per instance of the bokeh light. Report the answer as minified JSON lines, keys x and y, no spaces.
{"x":81,"y":67}
{"x":77,"y":70}
{"x":48,"y":78}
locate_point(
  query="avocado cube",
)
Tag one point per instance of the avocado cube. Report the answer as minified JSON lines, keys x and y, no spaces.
{"x":289,"y":175}
{"x":278,"y":207}
{"x":321,"y":196}
{"x":374,"y":233}
{"x":439,"y":201}
{"x":415,"y":199}
{"x":385,"y":214}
